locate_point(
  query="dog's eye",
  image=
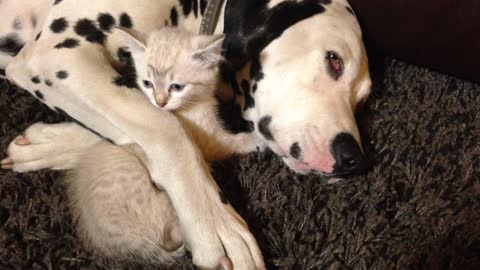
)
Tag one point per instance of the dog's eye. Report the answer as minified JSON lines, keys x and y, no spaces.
{"x":334,"y":64}
{"x":147,"y":84}
{"x":176,"y":87}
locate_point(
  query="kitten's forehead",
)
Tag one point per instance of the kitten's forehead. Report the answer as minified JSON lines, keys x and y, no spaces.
{"x":167,"y":46}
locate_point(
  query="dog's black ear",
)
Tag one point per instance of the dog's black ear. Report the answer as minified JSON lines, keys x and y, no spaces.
{"x":242,"y":19}
{"x":250,"y":25}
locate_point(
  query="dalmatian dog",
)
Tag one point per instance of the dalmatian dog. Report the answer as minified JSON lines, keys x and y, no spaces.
{"x":299,"y":67}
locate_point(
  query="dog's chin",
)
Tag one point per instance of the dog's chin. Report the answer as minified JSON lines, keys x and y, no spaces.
{"x":301,"y":168}
{"x":297,"y":166}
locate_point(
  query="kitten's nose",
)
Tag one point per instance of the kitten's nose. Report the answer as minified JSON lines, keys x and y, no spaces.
{"x":161,"y":101}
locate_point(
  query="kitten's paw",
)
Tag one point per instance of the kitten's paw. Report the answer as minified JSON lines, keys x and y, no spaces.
{"x":44,"y":146}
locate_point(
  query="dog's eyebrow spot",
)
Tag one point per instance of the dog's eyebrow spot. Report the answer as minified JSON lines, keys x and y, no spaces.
{"x":57,"y":2}
{"x":59,"y":25}
{"x":295,"y":150}
{"x":264,"y":127}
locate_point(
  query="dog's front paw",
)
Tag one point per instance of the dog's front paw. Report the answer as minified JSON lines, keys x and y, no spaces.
{"x":44,"y":146}
{"x":230,"y":245}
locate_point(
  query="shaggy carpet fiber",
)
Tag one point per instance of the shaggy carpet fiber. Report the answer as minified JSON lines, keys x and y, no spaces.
{"x":417,"y":208}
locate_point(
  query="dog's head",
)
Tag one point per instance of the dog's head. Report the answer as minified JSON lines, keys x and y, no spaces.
{"x":308,"y":71}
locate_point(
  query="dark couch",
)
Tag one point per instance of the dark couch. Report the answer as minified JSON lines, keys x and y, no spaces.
{"x":440,"y":34}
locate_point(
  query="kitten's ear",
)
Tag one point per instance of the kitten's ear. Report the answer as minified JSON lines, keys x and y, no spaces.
{"x":209,"y":50}
{"x":137,"y":41}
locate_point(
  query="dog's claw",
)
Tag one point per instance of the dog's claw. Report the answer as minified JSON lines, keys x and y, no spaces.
{"x":6,"y":161}
{"x":225,"y":264}
{"x":22,"y":141}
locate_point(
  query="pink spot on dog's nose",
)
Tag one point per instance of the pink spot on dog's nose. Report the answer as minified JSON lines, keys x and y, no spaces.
{"x":322,"y":163}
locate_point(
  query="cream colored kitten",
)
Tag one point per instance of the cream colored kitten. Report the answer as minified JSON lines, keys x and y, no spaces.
{"x":119,"y":212}
{"x":178,"y":71}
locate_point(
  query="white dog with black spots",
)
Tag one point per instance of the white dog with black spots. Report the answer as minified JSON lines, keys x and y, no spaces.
{"x":300,"y":69}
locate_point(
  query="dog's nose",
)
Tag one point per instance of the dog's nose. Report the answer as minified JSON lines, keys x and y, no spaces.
{"x":348,"y":155}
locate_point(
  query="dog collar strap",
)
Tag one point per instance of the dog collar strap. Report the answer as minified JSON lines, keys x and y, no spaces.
{"x":210,"y":17}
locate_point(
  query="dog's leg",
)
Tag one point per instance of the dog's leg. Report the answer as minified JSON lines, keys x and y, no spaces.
{"x":210,"y":228}
{"x":48,"y":146}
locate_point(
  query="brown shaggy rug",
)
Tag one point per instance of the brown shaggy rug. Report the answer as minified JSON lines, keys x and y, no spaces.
{"x":417,"y":208}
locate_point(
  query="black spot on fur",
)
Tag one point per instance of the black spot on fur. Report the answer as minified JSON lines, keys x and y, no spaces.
{"x":195,"y":8}
{"x":59,"y":25}
{"x":48,"y":83}
{"x":123,"y":81}
{"x":38,"y":35}
{"x":38,"y":94}
{"x":11,"y":44}
{"x":57,"y":2}
{"x":62,"y":74}
{"x":295,"y":150}
{"x":174,"y":16}
{"x":124,"y":56}
{"x":250,"y":25}
{"x":230,"y":77}
{"x":35,"y":80}
{"x":264,"y":127}
{"x":126,"y":21}
{"x":256,"y":70}
{"x":106,"y":21}
{"x":68,"y":43}
{"x":230,"y":115}
{"x":245,"y":87}
{"x":126,"y":69}
{"x":17,"y":24}
{"x":254,"y":88}
{"x":87,"y":29}
{"x":2,"y":72}
{"x":350,"y":10}
{"x":223,"y":199}
{"x":249,"y":101}
{"x":203,"y":6}
{"x":186,"y":6}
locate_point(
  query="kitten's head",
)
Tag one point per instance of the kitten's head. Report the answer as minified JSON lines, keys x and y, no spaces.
{"x":175,"y":68}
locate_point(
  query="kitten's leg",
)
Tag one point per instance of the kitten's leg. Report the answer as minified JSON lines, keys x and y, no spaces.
{"x":48,"y":146}
{"x":120,"y":213}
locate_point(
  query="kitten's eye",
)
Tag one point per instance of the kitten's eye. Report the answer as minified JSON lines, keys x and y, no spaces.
{"x":147,"y":84}
{"x":334,"y":64}
{"x":176,"y":87}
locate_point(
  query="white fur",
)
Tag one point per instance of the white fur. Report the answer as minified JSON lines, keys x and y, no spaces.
{"x":306,"y":105}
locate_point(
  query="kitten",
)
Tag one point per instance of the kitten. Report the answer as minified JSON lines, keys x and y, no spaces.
{"x":120,"y":214}
{"x":178,"y":71}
